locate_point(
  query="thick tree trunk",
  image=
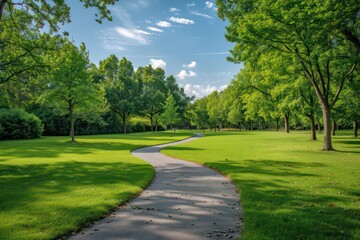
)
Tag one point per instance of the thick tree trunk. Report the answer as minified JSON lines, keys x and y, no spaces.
{"x":286,"y":122}
{"x":355,"y":128}
{"x":333,"y":127}
{"x":327,"y":128}
{"x":312,"y":126}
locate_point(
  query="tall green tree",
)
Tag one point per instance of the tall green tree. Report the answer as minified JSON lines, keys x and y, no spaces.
{"x":170,"y":115}
{"x":153,"y":92}
{"x":123,"y":93}
{"x":312,"y":33}
{"x":71,"y":90}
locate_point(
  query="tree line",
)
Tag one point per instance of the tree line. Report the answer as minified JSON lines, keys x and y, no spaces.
{"x":46,"y":75}
{"x":307,"y":46}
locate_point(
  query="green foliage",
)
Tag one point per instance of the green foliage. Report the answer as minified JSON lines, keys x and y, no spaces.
{"x":289,"y":188}
{"x":170,"y":114}
{"x":72,"y":91}
{"x":18,"y":124}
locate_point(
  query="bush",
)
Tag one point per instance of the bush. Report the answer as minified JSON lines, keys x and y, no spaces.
{"x":18,"y":124}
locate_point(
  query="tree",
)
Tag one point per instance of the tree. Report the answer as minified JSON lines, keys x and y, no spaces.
{"x":310,"y":32}
{"x":122,"y":93}
{"x":152,"y":92}
{"x":71,"y":90}
{"x":22,"y":44}
{"x":201,"y":113}
{"x":52,"y":12}
{"x":109,"y":67}
{"x":170,"y":114}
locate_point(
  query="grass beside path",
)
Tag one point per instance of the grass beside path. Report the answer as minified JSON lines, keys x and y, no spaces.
{"x":50,"y":186}
{"x":289,"y":187}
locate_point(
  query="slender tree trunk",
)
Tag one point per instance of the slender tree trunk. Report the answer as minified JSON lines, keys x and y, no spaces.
{"x":124,"y":123}
{"x":312,"y":126}
{"x":355,"y":128}
{"x":151,"y":123}
{"x":277,"y":124}
{"x":286,"y":122}
{"x":333,"y":127}
{"x":72,"y":121}
{"x":251,"y":125}
{"x":319,"y":127}
{"x":327,"y":128}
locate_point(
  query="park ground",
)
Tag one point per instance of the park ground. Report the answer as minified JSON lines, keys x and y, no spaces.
{"x":289,"y":187}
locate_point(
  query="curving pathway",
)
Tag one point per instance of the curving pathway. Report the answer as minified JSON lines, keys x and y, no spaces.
{"x":185,"y":201}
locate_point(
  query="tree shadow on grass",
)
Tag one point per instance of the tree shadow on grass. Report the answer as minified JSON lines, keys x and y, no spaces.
{"x":76,"y":191}
{"x":278,"y":208}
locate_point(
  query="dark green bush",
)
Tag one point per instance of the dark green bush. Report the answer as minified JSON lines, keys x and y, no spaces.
{"x":18,"y":124}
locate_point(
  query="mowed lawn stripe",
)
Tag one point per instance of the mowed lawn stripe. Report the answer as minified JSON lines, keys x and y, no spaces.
{"x":289,"y":187}
{"x":49,"y":186}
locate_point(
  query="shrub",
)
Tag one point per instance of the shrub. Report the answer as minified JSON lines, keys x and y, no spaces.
{"x":18,"y":124}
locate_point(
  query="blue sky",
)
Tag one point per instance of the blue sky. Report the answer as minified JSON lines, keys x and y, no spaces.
{"x":184,"y":38}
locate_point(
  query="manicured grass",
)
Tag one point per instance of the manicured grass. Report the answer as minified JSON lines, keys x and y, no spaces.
{"x":289,"y":187}
{"x":50,"y":186}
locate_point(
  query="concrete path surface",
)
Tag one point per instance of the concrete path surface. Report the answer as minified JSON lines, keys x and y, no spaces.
{"x":184,"y":202}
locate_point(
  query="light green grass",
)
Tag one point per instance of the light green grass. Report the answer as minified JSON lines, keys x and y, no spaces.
{"x":289,"y":187}
{"x":49,"y":186}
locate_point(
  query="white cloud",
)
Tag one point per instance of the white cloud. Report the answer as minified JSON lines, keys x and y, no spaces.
{"x":184,"y":74}
{"x":223,"y":87}
{"x":198,"y":91}
{"x":133,"y":34}
{"x":190,"y":65}
{"x":173,"y":9}
{"x":191,"y":4}
{"x":201,"y":14}
{"x":157,"y":63}
{"x":148,"y":21}
{"x":211,"y":5}
{"x":181,"y":20}
{"x":163,"y":24}
{"x":155,"y":29}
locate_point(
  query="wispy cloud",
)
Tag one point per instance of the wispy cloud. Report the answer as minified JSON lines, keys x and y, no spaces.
{"x":212,"y":53}
{"x":186,"y":74}
{"x":154,"y":29}
{"x":174,"y":10}
{"x":157,"y":63}
{"x":137,"y":4}
{"x":190,"y":65}
{"x":191,"y":4}
{"x":201,"y":14}
{"x":133,"y":34}
{"x":163,"y":24}
{"x":181,"y":20}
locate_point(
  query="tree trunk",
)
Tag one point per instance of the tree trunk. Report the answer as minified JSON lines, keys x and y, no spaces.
{"x":286,"y":122}
{"x":333,"y":128}
{"x":312,"y":126}
{"x":251,"y":125}
{"x":327,"y":128}
{"x":124,"y":123}
{"x":152,"y":123}
{"x":355,"y":128}
{"x":72,"y":128}
{"x":277,"y":124}
{"x":319,"y":127}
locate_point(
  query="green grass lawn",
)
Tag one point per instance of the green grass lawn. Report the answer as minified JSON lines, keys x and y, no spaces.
{"x":49,"y":186}
{"x":289,"y":187}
